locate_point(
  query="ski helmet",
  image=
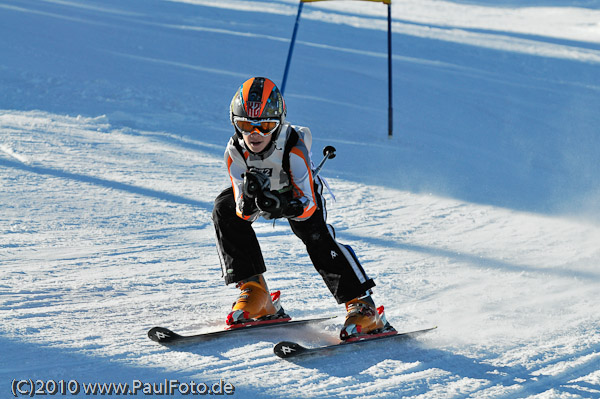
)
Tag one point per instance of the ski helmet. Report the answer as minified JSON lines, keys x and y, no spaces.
{"x":258,"y":98}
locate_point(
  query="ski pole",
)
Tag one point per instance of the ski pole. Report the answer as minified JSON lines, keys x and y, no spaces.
{"x":328,"y":153}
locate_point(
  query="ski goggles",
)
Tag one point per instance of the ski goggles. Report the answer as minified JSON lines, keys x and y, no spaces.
{"x":264,"y":127}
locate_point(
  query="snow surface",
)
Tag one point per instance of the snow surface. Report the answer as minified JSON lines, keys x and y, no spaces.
{"x":481,"y":215}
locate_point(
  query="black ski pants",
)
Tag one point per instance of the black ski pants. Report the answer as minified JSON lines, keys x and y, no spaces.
{"x":241,"y":256}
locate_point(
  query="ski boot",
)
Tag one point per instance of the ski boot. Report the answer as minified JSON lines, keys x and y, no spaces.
{"x":255,"y":303}
{"x":363,"y":318}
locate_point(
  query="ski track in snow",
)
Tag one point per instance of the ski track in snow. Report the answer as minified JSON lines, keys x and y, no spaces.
{"x":106,"y":230}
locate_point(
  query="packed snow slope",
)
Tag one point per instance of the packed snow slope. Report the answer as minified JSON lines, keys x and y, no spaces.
{"x":480,"y":215}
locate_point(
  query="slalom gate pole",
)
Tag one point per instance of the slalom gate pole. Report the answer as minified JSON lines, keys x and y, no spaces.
{"x":292,"y":42}
{"x":390,"y":110}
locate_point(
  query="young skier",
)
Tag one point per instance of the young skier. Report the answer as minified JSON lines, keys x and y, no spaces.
{"x":269,"y":165}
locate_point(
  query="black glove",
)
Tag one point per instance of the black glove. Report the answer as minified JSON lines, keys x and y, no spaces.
{"x":247,"y":206}
{"x":275,"y":205}
{"x":255,"y":183}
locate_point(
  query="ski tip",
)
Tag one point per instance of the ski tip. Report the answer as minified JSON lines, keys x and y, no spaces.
{"x":417,"y":332}
{"x":286,"y":349}
{"x":162,"y":335}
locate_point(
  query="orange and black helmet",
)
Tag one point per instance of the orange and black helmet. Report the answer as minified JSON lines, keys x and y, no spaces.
{"x":258,"y":98}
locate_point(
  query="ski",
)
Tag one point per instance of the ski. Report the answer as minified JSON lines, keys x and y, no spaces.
{"x":165,"y":336}
{"x":287,"y":349}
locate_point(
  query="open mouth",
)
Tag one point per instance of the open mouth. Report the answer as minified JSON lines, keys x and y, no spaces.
{"x":255,"y":142}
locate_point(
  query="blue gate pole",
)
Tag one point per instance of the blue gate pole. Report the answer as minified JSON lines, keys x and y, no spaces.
{"x":289,"y":57}
{"x":390,"y":110}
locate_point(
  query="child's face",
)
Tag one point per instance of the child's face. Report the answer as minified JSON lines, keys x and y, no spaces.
{"x":256,"y":143}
